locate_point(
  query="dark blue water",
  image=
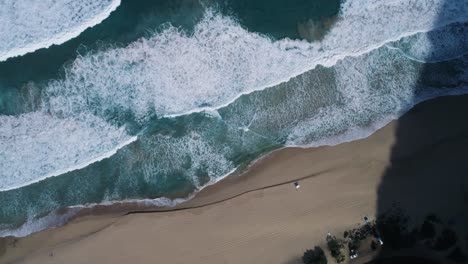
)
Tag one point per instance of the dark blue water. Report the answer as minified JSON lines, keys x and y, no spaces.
{"x":113,"y":105}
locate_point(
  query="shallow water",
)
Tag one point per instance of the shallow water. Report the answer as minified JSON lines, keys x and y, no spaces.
{"x":188,"y":91}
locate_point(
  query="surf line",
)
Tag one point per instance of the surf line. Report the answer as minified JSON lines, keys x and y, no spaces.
{"x":76,"y":167}
{"x":71,"y":34}
{"x":456,"y":138}
{"x":234,"y":196}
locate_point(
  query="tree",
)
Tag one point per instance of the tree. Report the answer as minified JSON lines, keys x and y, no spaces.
{"x":446,"y":240}
{"x":335,"y":246}
{"x":314,"y":256}
{"x":393,"y":227}
{"x":427,"y":230}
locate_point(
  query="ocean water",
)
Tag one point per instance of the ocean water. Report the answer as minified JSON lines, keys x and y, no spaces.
{"x":152,"y":100}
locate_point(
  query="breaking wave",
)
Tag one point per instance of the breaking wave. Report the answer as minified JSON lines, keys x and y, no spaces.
{"x":361,"y":75}
{"x":35,"y":146}
{"x":221,"y":60}
{"x":215,"y":64}
{"x":30,"y":25}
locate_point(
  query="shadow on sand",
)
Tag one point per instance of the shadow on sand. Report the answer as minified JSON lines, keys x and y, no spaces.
{"x":428,"y":174}
{"x":429,"y":166}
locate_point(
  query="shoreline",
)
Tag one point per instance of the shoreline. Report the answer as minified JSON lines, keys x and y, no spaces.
{"x":165,"y":204}
{"x":339,"y":185}
{"x":87,"y":163}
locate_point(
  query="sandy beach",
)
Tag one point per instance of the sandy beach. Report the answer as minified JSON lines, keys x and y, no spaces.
{"x":259,"y":216}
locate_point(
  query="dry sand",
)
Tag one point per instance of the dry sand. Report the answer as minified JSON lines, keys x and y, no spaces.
{"x":259,"y":217}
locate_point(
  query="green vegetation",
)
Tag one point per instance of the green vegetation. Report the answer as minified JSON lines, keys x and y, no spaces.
{"x":314,"y":256}
{"x":335,"y":246}
{"x":396,"y":231}
{"x":359,"y":234}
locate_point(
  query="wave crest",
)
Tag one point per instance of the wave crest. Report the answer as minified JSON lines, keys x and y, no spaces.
{"x":36,"y":146}
{"x":30,"y":25}
{"x":221,"y":60}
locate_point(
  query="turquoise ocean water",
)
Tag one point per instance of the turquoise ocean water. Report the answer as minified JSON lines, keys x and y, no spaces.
{"x":159,"y":98}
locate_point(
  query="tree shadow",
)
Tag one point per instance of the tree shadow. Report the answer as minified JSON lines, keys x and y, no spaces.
{"x":428,"y":172}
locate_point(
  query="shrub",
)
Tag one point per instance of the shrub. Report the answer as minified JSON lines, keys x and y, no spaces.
{"x":345,"y":234}
{"x":393,"y":227}
{"x":427,"y":230}
{"x":339,"y":258}
{"x":446,"y":240}
{"x":335,"y":246}
{"x":314,"y":256}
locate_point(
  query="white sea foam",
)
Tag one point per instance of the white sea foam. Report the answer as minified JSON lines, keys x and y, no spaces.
{"x":53,"y":219}
{"x":28,"y":25}
{"x":34,"y":224}
{"x":35,"y":146}
{"x":174,"y":73}
{"x":177,"y":73}
{"x":157,"y":202}
{"x":355,"y":133}
{"x":441,"y":44}
{"x":165,"y":156}
{"x":375,"y":88}
{"x":356,"y":96}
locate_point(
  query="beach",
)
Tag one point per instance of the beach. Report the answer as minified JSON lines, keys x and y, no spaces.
{"x":160,"y":99}
{"x":259,"y":217}
{"x":232,"y":131}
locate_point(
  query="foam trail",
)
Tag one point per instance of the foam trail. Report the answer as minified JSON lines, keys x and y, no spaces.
{"x":356,"y":96}
{"x":35,"y":146}
{"x":36,"y":224}
{"x":158,"y":202}
{"x":170,"y":155}
{"x":28,"y":25}
{"x":442,"y":44}
{"x":368,"y":102}
{"x":54,"y":220}
{"x":216,"y":64}
{"x":221,"y":60}
{"x":323,"y":106}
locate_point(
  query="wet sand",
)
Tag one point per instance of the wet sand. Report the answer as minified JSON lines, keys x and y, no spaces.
{"x":259,"y":216}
